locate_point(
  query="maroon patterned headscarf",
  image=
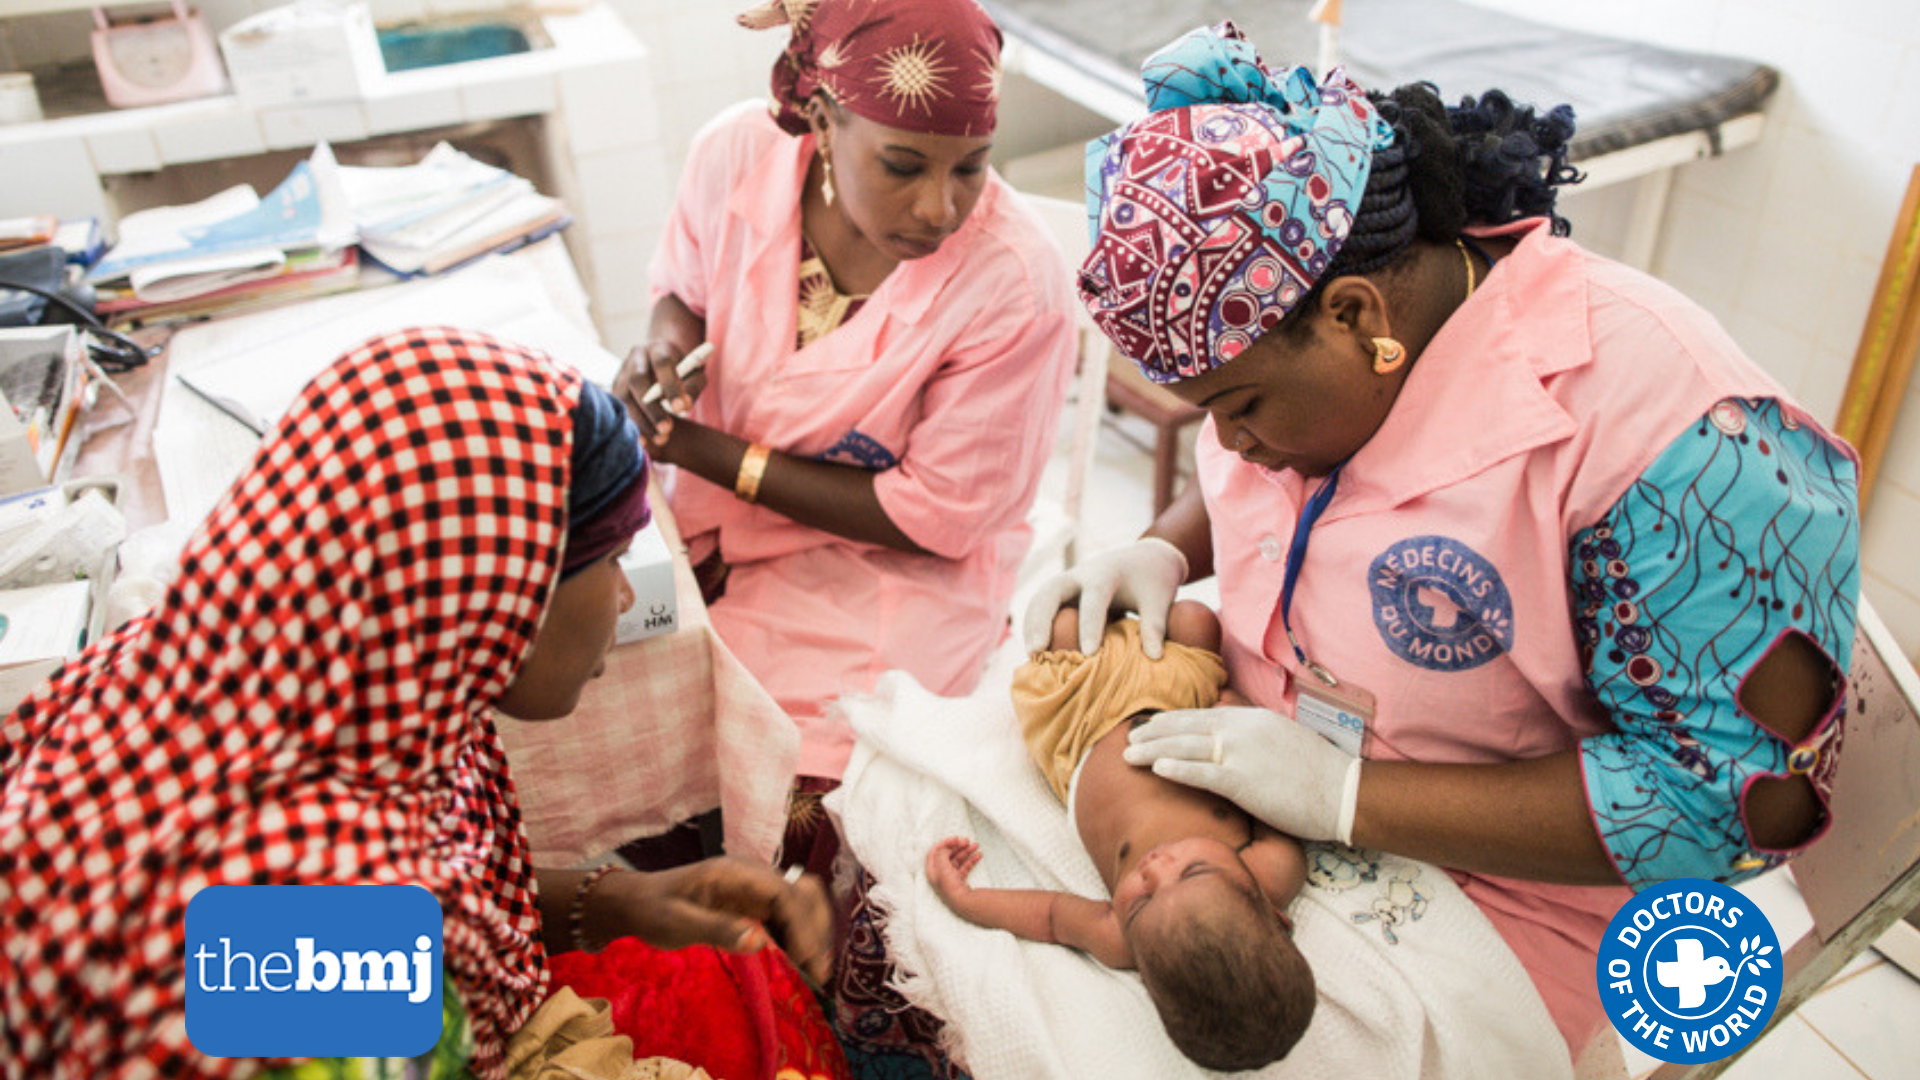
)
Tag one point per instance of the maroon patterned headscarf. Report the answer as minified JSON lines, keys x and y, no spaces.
{"x":928,"y":66}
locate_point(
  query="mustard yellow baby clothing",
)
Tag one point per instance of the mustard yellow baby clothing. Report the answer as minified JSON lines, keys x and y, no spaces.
{"x":1067,"y":700}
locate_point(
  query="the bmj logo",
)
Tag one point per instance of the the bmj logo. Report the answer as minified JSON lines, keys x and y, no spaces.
{"x":1689,"y":971}
{"x":313,"y":971}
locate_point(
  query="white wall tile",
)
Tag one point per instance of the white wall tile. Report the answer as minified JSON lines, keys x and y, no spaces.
{"x":621,"y":333}
{"x":124,"y":150}
{"x":1902,"y":132}
{"x":463,"y":7}
{"x":1897,"y":607}
{"x":1848,"y":80}
{"x":619,"y":263}
{"x":632,"y":178}
{"x":412,"y":111}
{"x":220,"y":14}
{"x":1782,"y":351}
{"x":388,"y":12}
{"x":1707,"y":244}
{"x":1841,"y":310}
{"x":614,"y":215}
{"x":56,"y":177}
{"x":1738,"y":177}
{"x":1776,"y":37}
{"x":1784,"y":277}
{"x":609,"y":106}
{"x":1823,"y":383}
{"x":495,"y":98}
{"x":1886,"y":548}
{"x":304,"y":125}
{"x":1678,"y":25}
{"x":218,"y":135}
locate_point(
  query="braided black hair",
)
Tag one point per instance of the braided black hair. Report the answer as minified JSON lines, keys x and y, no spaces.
{"x":1483,"y":162}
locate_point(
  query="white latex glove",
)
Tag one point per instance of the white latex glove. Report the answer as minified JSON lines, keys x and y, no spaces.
{"x":1269,"y":765}
{"x":1141,"y":577}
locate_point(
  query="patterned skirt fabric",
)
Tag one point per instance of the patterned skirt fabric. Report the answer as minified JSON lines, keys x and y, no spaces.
{"x":884,"y":1037}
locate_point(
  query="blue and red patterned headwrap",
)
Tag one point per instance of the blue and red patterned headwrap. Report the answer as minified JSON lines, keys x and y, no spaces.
{"x":1216,"y":213}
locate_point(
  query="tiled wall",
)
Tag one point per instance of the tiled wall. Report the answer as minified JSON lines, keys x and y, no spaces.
{"x":1783,"y":240}
{"x":699,"y":62}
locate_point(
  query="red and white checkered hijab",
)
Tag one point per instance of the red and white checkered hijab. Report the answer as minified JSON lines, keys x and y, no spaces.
{"x":310,"y":704}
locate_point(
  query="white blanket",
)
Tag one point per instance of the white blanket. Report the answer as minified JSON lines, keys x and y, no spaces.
{"x":1413,"y":980}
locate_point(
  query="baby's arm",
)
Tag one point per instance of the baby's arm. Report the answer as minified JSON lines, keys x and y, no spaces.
{"x":1276,"y":861}
{"x":1053,"y":918}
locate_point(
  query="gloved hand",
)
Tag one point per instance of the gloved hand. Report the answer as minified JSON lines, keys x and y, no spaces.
{"x":1269,"y":765}
{"x":1141,"y":576}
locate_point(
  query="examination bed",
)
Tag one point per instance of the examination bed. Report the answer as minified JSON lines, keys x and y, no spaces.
{"x":1642,"y":110}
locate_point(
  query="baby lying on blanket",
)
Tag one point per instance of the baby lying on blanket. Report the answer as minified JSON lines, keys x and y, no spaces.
{"x":1199,"y":887}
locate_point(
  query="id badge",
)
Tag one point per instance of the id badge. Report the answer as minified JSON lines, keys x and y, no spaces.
{"x":1340,"y":712}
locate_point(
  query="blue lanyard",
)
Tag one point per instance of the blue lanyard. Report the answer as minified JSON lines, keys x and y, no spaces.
{"x":1296,"y":555}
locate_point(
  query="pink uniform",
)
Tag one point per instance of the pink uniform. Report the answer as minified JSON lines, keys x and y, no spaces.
{"x":947,"y":383}
{"x":1437,"y":577}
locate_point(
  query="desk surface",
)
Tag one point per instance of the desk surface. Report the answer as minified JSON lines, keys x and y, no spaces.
{"x":1623,"y":93}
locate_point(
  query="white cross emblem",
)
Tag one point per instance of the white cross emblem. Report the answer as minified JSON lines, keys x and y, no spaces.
{"x":1691,"y":972}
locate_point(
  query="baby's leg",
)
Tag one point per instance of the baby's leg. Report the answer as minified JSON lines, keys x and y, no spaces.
{"x":1192,"y":623}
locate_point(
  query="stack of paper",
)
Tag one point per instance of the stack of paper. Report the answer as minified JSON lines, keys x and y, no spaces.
{"x":444,"y":211}
{"x":252,"y":368}
{"x":232,"y":248}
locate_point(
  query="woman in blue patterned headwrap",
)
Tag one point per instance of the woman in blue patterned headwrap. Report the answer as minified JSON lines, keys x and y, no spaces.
{"x":1580,"y":597}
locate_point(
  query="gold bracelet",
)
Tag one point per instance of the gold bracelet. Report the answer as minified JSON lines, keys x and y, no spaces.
{"x":753,"y":465}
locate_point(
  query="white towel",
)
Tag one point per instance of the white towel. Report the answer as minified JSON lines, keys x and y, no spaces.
{"x":1413,"y":980}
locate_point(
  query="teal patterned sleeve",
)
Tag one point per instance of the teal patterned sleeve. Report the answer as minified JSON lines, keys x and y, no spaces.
{"x":1746,"y":529}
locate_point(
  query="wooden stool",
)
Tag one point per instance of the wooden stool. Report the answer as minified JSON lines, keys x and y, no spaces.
{"x":1128,"y":389}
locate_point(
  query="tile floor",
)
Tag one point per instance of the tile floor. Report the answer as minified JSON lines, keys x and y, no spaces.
{"x":1864,"y":1025}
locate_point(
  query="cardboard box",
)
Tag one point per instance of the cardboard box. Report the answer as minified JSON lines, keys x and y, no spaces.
{"x":302,"y":53}
{"x":649,"y":569}
{"x":34,"y":450}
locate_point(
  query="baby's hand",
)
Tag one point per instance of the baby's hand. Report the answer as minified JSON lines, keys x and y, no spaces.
{"x":948,"y":865}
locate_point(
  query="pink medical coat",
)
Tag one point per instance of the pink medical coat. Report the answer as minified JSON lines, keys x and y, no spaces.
{"x":947,"y":382}
{"x":1527,"y":417}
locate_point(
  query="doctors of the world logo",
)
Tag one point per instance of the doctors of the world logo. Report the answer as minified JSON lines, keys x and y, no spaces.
{"x":1689,"y":971}
{"x":313,"y":971}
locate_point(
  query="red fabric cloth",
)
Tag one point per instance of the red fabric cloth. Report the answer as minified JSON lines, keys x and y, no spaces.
{"x":309,"y":704}
{"x":738,"y":1016}
{"x":930,"y":66}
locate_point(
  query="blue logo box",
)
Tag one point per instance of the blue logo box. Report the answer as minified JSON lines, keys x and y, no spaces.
{"x":313,"y":971}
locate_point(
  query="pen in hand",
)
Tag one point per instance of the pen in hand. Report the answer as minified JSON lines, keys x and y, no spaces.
{"x":690,"y":363}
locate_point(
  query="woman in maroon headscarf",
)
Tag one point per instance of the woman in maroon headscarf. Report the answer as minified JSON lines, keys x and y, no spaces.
{"x":892,"y":337}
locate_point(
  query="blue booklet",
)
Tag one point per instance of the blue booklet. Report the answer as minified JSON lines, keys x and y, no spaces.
{"x":290,"y":218}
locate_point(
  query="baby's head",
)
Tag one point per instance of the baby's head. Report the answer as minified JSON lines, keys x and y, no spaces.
{"x":1218,"y":960}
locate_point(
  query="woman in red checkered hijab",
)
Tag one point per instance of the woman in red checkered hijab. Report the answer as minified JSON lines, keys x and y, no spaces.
{"x":431,"y":533}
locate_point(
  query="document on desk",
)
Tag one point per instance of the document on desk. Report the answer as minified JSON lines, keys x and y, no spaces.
{"x":252,"y":368}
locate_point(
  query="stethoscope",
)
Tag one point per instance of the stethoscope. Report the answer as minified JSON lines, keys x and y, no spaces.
{"x":112,"y":351}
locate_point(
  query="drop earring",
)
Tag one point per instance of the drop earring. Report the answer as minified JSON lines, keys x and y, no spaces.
{"x":826,"y":177}
{"x":1388,"y":355}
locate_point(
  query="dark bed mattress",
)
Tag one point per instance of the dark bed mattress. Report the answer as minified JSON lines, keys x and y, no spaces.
{"x":1623,"y":93}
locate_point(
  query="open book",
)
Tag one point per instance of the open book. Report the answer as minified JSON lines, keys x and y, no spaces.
{"x":170,"y":253}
